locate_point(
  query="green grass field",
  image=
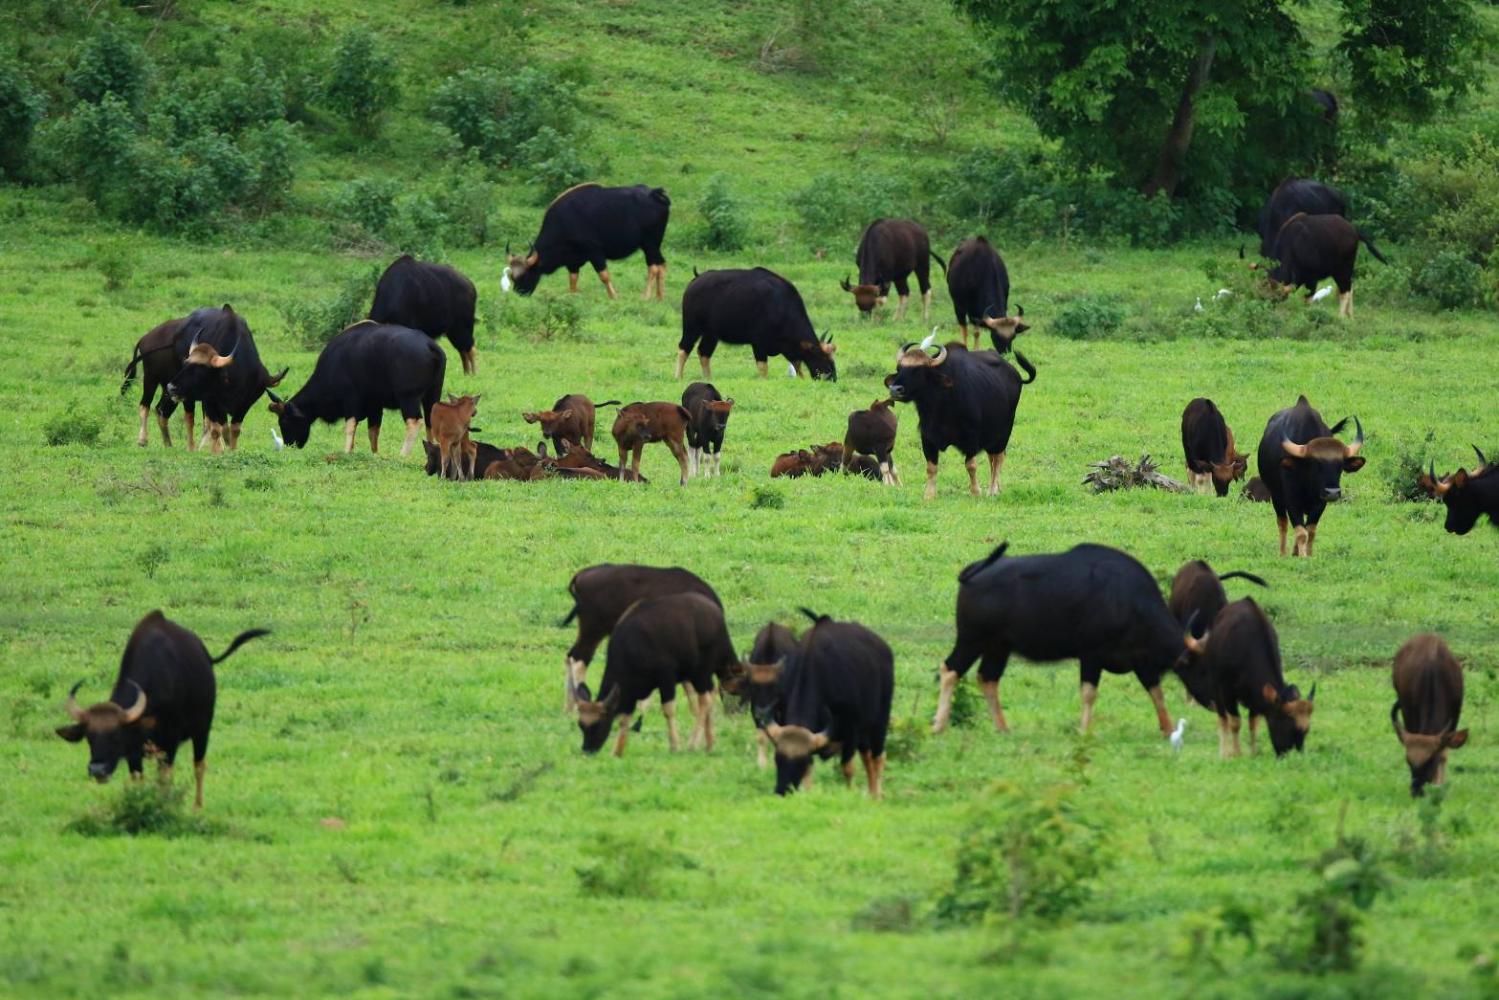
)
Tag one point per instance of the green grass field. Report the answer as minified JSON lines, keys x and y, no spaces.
{"x":396,"y":805}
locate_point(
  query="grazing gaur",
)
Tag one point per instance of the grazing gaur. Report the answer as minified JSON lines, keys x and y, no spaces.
{"x":1240,"y":659}
{"x":760,"y":682}
{"x":163,"y":696}
{"x":1429,"y":697}
{"x":965,"y":400}
{"x":1255,"y":491}
{"x":589,"y":224}
{"x":1295,"y":196}
{"x":705,"y":430}
{"x":602,"y":593}
{"x":1313,"y":247}
{"x":834,"y":697}
{"x":484,"y":455}
{"x":570,"y":419}
{"x":450,"y":432}
{"x":574,"y":456}
{"x":1302,"y":463}
{"x":889,"y":251}
{"x":1093,"y":604}
{"x":160,"y":354}
{"x":640,"y":424}
{"x":659,"y":643}
{"x":1208,"y":444}
{"x":755,"y":307}
{"x":222,"y":371}
{"x":1197,"y":593}
{"x":979,"y":287}
{"x":1468,"y":495}
{"x":436,"y":299}
{"x":364,"y":371}
{"x":871,"y":432}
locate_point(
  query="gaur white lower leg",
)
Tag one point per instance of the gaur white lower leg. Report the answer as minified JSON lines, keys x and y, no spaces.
{"x":349,"y":427}
{"x":141,"y":438}
{"x":763,"y":368}
{"x":971,"y":464}
{"x":413,"y":428}
{"x":1162,"y":717}
{"x":996,"y":463}
{"x":948,"y":683}
{"x":166,"y":431}
{"x":931,"y":481}
{"x":681,"y":361}
{"x":926,"y":306}
{"x":624,"y":734}
{"x":374,"y":432}
{"x":1089,"y":695}
{"x":198,"y":768}
{"x":608,"y":283}
{"x":669,"y":710}
{"x":187,"y":420}
{"x":996,"y":710}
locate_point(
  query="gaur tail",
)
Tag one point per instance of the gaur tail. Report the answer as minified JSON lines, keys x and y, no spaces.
{"x":1370,"y":244}
{"x":570,"y":616}
{"x":659,"y":194}
{"x":607,"y":402}
{"x":940,"y":262}
{"x":1030,"y":369}
{"x":970,"y":572}
{"x":817,"y":619}
{"x":240,"y":640}
{"x":1240,"y":574}
{"x":135,"y":361}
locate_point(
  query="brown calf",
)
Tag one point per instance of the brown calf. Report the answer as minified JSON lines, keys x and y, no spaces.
{"x":571,"y":418}
{"x":640,"y":424}
{"x":872,"y":432}
{"x":574,"y":456}
{"x":1429,"y":694}
{"x":449,"y":431}
{"x":792,"y":465}
{"x":516,"y":463}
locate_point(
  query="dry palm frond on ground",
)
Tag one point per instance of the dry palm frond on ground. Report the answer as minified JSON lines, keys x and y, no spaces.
{"x":1115,"y":473}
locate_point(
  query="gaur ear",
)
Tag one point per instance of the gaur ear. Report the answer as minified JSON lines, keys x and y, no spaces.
{"x":277,"y":408}
{"x":1454,"y":741}
{"x":1270,"y":696}
{"x":1288,"y":463}
{"x":581,"y":693}
{"x":1353,"y":464}
{"x":888,"y":379}
{"x":531,"y":418}
{"x":78,"y":730}
{"x":565,"y":415}
{"x":808,"y":346}
{"x":1021,"y":327}
{"x":1459,"y":478}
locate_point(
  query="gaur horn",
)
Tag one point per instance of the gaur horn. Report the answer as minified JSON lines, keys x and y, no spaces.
{"x":819,"y":740}
{"x":1020,"y":312}
{"x":845,"y":285}
{"x":1395,"y":721}
{"x":225,"y":360}
{"x":991,"y":313}
{"x":1312,"y":694}
{"x":135,"y":711}
{"x":1293,"y":449}
{"x":72,"y":708}
{"x":507,"y":248}
{"x":1482,"y":462}
{"x":940,"y":357}
{"x":1358,"y":438}
{"x":274,"y":398}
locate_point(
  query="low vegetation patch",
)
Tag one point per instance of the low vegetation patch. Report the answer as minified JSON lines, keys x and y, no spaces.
{"x":145,"y":808}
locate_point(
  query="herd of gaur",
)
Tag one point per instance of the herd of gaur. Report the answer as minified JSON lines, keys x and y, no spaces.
{"x":828,"y":691}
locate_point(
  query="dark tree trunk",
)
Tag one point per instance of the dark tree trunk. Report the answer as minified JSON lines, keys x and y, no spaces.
{"x":1168,"y":168}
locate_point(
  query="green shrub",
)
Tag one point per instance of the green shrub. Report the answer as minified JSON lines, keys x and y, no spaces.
{"x":551,"y":162}
{"x":496,"y":115}
{"x":1088,"y":318}
{"x":1025,"y":854}
{"x":247,"y":97}
{"x":1324,"y":934}
{"x":628,"y":867}
{"x":725,"y":226}
{"x":20,"y":109}
{"x":836,"y":204}
{"x":273,"y":150}
{"x":145,"y":808}
{"x":367,"y":204}
{"x":316,"y":320}
{"x":72,"y":426}
{"x":112,"y":259}
{"x":463,"y":196}
{"x":110,"y":63}
{"x":1450,"y":280}
{"x":1411,"y":460}
{"x":767,"y":498}
{"x":418,"y":227}
{"x":359,"y":84}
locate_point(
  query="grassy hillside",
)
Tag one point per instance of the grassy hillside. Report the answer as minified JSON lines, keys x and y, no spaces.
{"x":396,"y":804}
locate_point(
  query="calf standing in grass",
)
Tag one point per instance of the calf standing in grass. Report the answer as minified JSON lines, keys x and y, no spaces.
{"x":835,"y":698}
{"x":1429,"y":695}
{"x":450,"y":427}
{"x":760,"y":683}
{"x":602,"y":594}
{"x":1197,"y":593}
{"x":1208,"y":444}
{"x":640,"y":424}
{"x":705,"y":429}
{"x":570,"y":419}
{"x":980,"y":289}
{"x":659,"y":643}
{"x":166,"y":680}
{"x":872,"y":432}
{"x":1240,"y":656}
{"x":160,"y":354}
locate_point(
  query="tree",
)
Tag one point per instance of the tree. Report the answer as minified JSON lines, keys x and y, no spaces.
{"x":1174,"y":96}
{"x":361,"y":81}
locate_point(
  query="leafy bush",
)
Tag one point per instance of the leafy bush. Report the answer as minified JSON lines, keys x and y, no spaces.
{"x":360,"y":84}
{"x":273,"y":150}
{"x":767,"y":498}
{"x":315,"y":321}
{"x":110,"y":63}
{"x":552,"y":163}
{"x":72,"y":426}
{"x":1450,"y":280}
{"x":112,"y":260}
{"x":1324,"y":932}
{"x":1088,"y":318}
{"x":725,"y":225}
{"x":463,"y":195}
{"x":247,"y":97}
{"x":835,"y":204}
{"x":1410,"y":462}
{"x":145,"y":808}
{"x":20,"y":109}
{"x":628,"y":867}
{"x":1025,"y":854}
{"x":368,"y":204}
{"x":494,"y":115}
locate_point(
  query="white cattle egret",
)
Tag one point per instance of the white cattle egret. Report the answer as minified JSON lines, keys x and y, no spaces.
{"x":1321,"y":293}
{"x":1198,"y":306}
{"x":930,"y":338}
{"x":1223,"y":293}
{"x":1178,"y":735}
{"x":277,"y":438}
{"x":505,"y":280}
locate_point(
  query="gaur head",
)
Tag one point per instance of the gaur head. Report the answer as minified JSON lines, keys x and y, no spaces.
{"x":295,"y":424}
{"x":596,"y":718}
{"x":719,"y":413}
{"x":1321,"y":462}
{"x":1426,"y":755}
{"x":795,"y":746}
{"x":761,"y":687}
{"x":202,"y":367}
{"x":1225,"y":472}
{"x":112,"y":732}
{"x":818,"y":357}
{"x":918,"y":373}
{"x":867,"y":297}
{"x":1004,"y":329}
{"x":1289,"y":718}
{"x":522,"y":273}
{"x":553,"y":422}
{"x":825,"y":458}
{"x":1464,"y":507}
